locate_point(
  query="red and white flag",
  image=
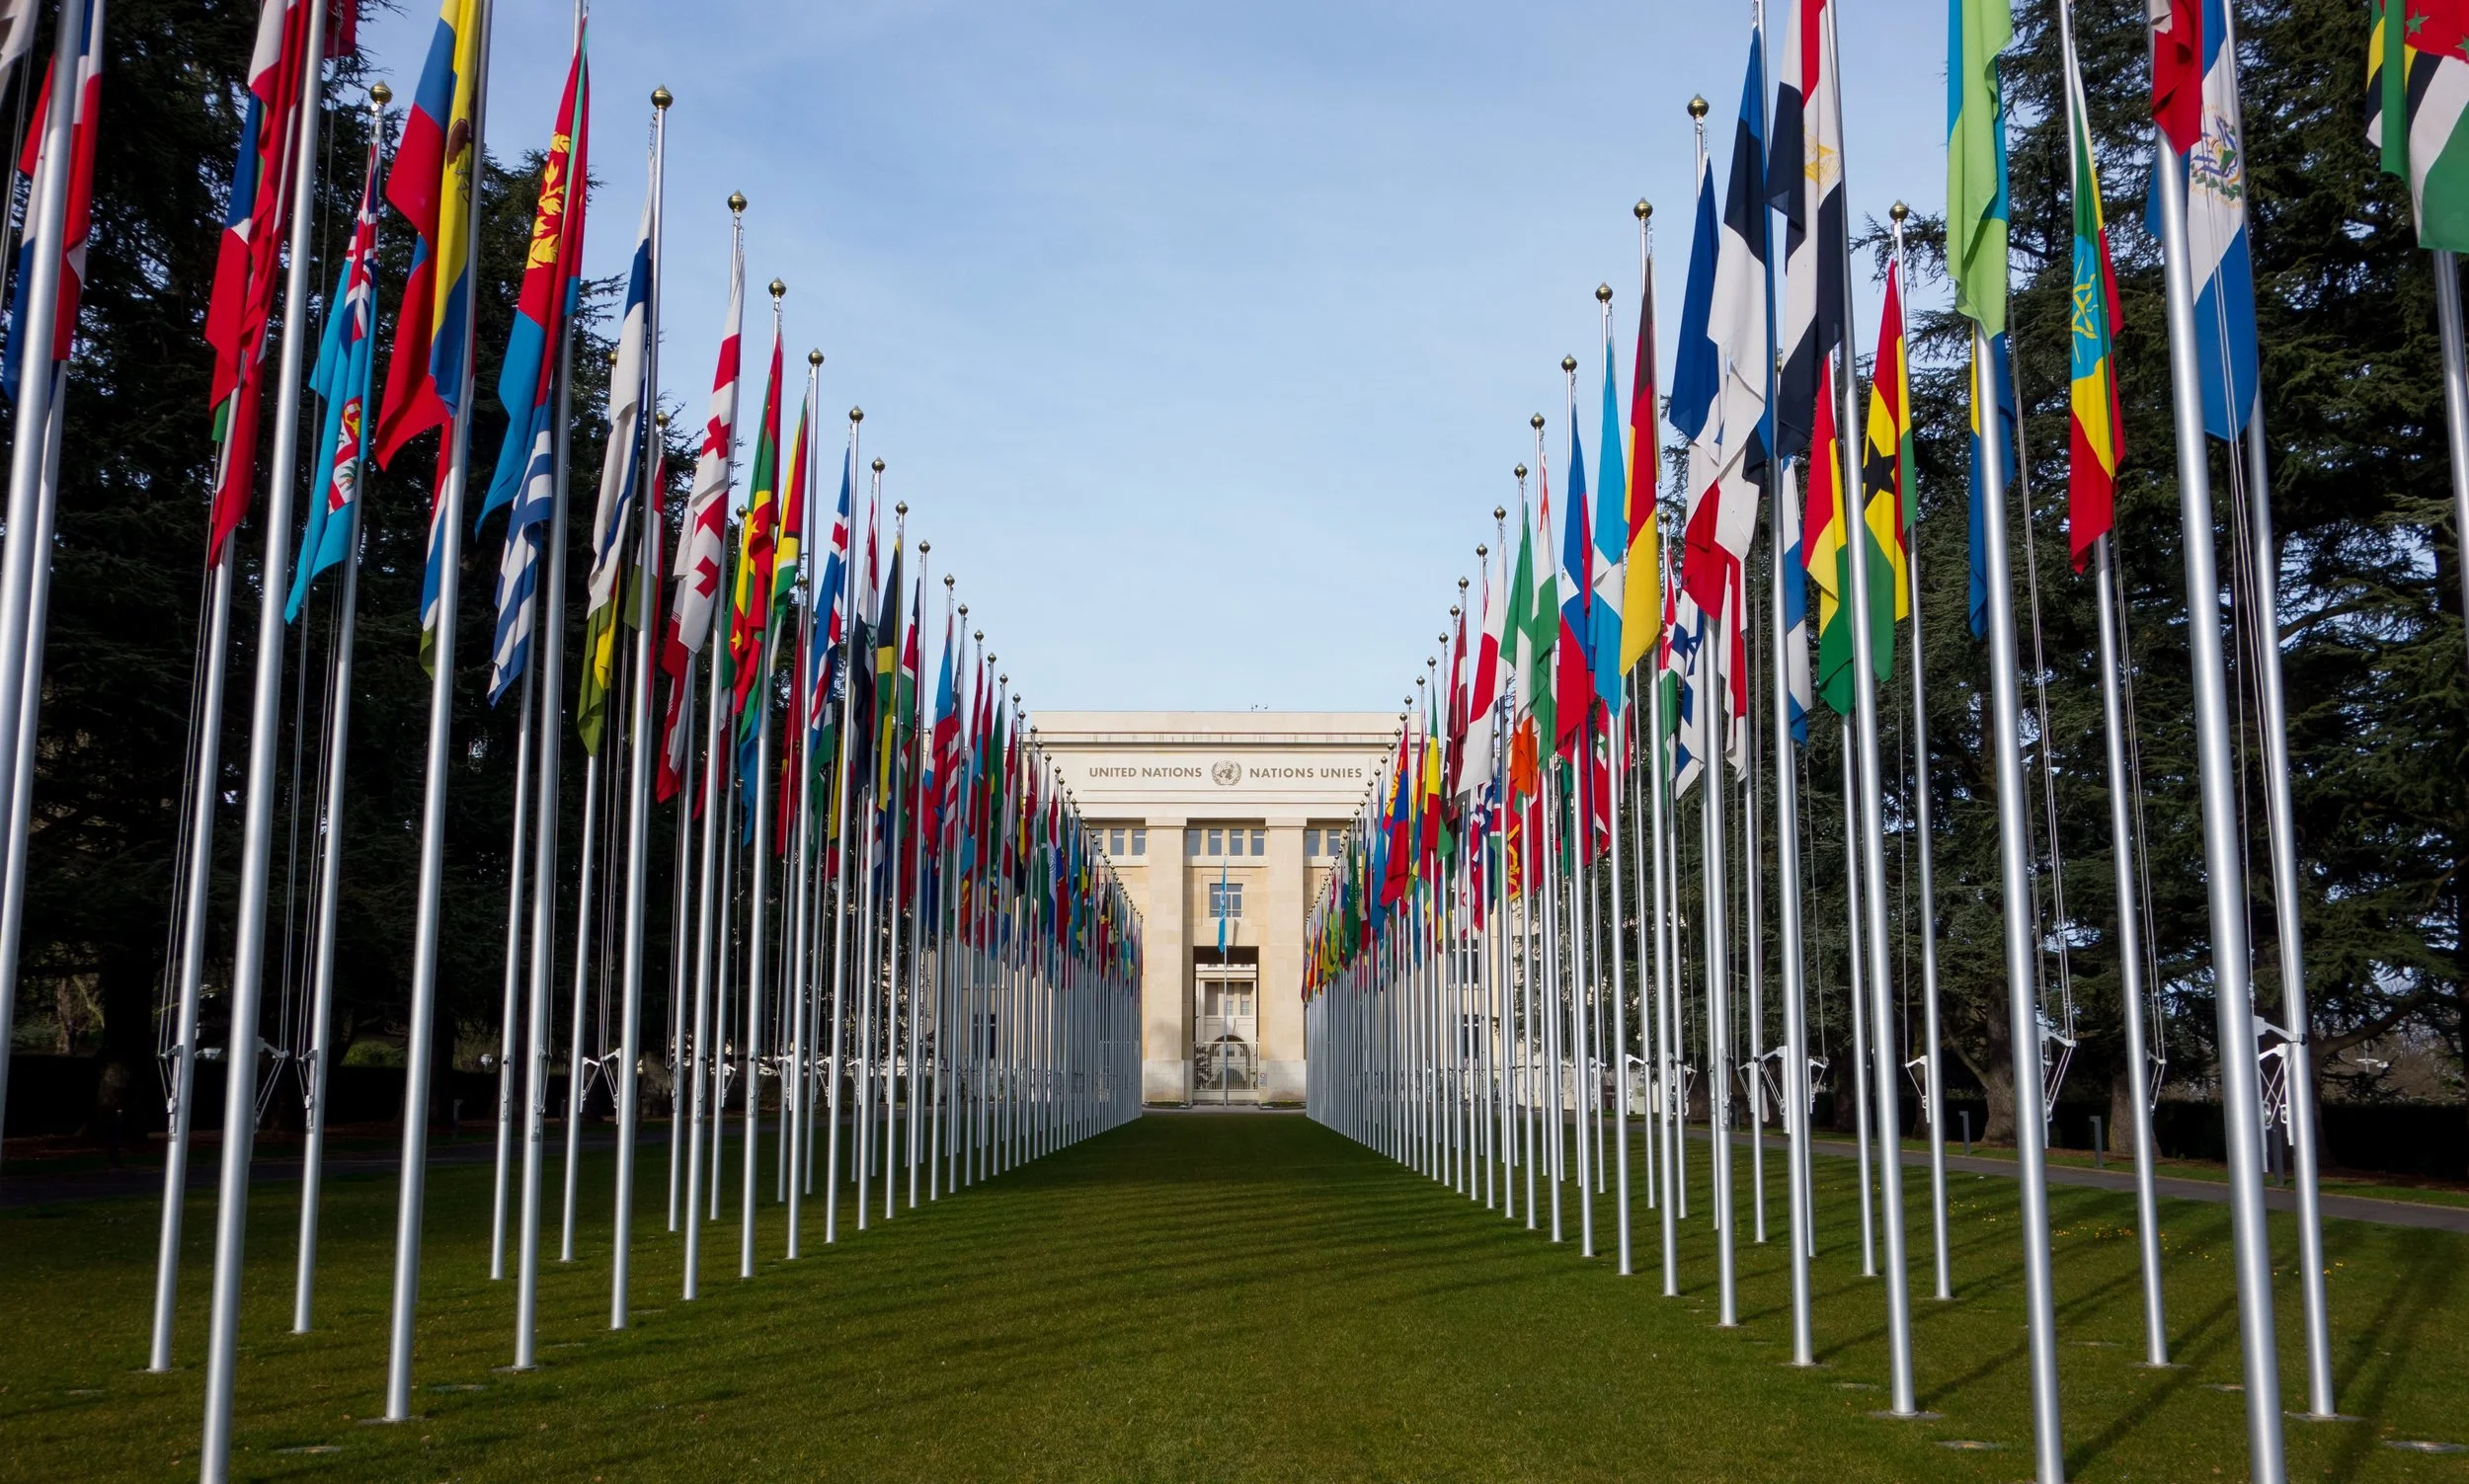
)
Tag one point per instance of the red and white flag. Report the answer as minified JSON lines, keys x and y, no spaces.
{"x":702,"y":543}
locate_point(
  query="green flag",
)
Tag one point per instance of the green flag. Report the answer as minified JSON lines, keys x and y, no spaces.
{"x":1975,"y":158}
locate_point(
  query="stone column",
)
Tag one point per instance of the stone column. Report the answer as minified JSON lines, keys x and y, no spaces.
{"x":1166,"y":988}
{"x":1281,"y":966}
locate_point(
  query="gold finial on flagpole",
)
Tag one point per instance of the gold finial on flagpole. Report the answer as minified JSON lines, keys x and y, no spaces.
{"x":1644,"y":208}
{"x":778,"y":288}
{"x":1603,"y":296}
{"x":1569,"y":367}
{"x":1899,"y":211}
{"x":858,"y":415}
{"x":663,"y":97}
{"x":814,"y":358}
{"x":1698,"y":107}
{"x":381,"y":95}
{"x":878,"y":468}
{"x":737,"y":200}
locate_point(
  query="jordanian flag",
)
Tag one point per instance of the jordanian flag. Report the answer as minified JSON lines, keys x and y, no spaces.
{"x":2417,"y":91}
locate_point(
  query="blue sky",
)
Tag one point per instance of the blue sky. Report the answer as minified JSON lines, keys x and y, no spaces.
{"x":1201,"y":340}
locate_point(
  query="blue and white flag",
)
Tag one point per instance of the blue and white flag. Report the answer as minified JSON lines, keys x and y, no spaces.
{"x":2222,"y":269}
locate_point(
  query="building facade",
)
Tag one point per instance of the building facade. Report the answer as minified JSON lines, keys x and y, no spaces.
{"x":1222,"y":825}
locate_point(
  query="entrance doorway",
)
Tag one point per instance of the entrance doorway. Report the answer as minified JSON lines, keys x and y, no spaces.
{"x":1225,"y":1027}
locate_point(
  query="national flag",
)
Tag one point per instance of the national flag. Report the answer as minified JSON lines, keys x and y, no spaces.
{"x":1797,"y":696}
{"x":1826,"y":543}
{"x":701,"y":540}
{"x":2177,"y":75}
{"x":749,"y":608}
{"x":431,"y":185}
{"x":1612,"y":540}
{"x":620,"y":472}
{"x":551,"y":291}
{"x":887,"y":658}
{"x":2003,"y":397}
{"x":1482,"y":701}
{"x":1886,"y":465}
{"x":1642,"y":600}
{"x":1526,"y":656}
{"x":345,"y":366}
{"x":2417,"y":94}
{"x":1975,"y":158}
{"x":788,"y":546}
{"x":2217,"y":253}
{"x":2095,"y":432}
{"x":248,"y":260}
{"x":1543,"y":620}
{"x":1804,"y":181}
{"x":1572,"y":671}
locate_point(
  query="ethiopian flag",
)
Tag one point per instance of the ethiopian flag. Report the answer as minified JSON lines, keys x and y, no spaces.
{"x":2094,"y":431}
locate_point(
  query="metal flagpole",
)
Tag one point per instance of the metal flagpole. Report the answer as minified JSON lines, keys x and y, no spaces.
{"x":1717,"y":985}
{"x":1667,"y":1115}
{"x":759,"y":937}
{"x":265,"y":721}
{"x":843,"y":851}
{"x":1855,"y":965}
{"x":1932,"y":1083}
{"x":423,"y":1028}
{"x":1870,"y":882}
{"x":2014,"y":865}
{"x":574,"y":1061}
{"x":2130,"y":955}
{"x":2223,"y":865}
{"x":2455,"y":403}
{"x":649,"y":489}
{"x":330,"y":875}
{"x":518,"y":861}
{"x":1796,"y":1077}
{"x":32,"y":488}
{"x":801,"y":1132}
{"x":706,"y":882}
{"x":916,"y":748}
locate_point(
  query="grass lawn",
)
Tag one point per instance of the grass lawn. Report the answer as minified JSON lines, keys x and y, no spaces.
{"x":1201,"y":1297}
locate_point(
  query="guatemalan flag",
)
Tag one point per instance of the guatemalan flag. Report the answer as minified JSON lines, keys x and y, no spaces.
{"x":346,"y":363}
{"x":526,"y":480}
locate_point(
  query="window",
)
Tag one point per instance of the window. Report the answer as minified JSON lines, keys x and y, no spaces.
{"x":1114,"y":842}
{"x":1260,"y":843}
{"x":1225,"y":900}
{"x":1140,"y":843}
{"x":1323,"y":844}
{"x":1216,"y":842}
{"x":1220,"y":842}
{"x":1311,"y":843}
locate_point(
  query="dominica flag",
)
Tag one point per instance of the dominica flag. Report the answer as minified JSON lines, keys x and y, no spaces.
{"x":2094,"y":429}
{"x":2417,"y":94}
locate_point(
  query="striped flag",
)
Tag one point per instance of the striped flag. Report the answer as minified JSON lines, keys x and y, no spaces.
{"x":750,"y":605}
{"x":1572,"y":671}
{"x":1482,"y":701}
{"x":1642,"y":602}
{"x":247,"y":264}
{"x":2417,"y":94}
{"x":525,"y":481}
{"x":2216,"y":240}
{"x":1804,"y":182}
{"x":431,"y":186}
{"x":1797,"y":696}
{"x":1826,"y":548}
{"x":621,"y":470}
{"x":700,"y":543}
{"x":1608,"y":642}
{"x":2096,"y":430}
{"x":345,"y":364}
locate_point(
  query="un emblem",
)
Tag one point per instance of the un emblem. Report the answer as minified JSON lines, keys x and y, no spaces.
{"x":1226,"y":774}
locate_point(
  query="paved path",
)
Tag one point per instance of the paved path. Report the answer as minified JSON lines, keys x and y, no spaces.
{"x":2350,"y":1208}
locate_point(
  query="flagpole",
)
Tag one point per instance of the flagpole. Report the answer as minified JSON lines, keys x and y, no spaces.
{"x":1933,"y":1088}
{"x":33,"y":491}
{"x":800,"y":1134}
{"x":842,"y":853}
{"x":264,"y":741}
{"x":1868,"y":881}
{"x":517,"y":863}
{"x":917,"y":748}
{"x":1795,"y":1078}
{"x":759,"y":944}
{"x":2447,"y":321}
{"x":1712,"y":876}
{"x":329,"y":859}
{"x":650,"y":481}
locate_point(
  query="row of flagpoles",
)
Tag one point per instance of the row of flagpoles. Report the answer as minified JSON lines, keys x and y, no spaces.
{"x":1469,"y":1004}
{"x":892,"y":919}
